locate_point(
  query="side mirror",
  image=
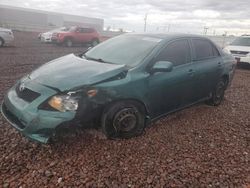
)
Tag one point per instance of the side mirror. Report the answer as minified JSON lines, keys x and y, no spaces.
{"x":162,"y":66}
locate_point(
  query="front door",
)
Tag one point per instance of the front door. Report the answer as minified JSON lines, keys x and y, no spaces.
{"x":168,"y":91}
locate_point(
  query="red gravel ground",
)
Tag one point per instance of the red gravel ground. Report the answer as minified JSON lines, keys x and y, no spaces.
{"x":201,"y":146}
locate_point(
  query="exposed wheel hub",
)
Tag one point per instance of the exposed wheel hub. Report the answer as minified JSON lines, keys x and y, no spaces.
{"x":125,"y":120}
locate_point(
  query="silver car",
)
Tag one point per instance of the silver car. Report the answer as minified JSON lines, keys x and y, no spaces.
{"x":6,"y":36}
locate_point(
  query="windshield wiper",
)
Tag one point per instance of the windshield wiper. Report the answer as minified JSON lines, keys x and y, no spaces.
{"x":96,"y":59}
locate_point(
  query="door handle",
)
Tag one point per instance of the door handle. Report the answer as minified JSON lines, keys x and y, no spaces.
{"x":219,"y":64}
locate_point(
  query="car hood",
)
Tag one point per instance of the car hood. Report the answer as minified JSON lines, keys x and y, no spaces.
{"x":71,"y":71}
{"x":239,"y":48}
{"x":47,"y":33}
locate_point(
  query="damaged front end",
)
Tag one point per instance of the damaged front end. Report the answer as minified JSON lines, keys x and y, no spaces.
{"x":57,"y":94}
{"x":23,"y":112}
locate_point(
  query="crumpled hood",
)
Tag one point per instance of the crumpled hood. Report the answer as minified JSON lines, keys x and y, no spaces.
{"x":71,"y":71}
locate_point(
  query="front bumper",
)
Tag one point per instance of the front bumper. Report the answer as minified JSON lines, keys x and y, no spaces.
{"x":55,"y":40}
{"x":242,"y":59}
{"x":35,"y":124}
{"x":46,"y":39}
{"x":9,"y":39}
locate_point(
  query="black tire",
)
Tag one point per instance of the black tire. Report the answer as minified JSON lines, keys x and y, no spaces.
{"x":218,"y":93}
{"x":123,"y":120}
{"x":1,"y":42}
{"x":68,"y":42}
{"x":94,"y":42}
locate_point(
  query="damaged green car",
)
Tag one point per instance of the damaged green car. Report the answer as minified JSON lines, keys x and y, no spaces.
{"x":122,"y":84}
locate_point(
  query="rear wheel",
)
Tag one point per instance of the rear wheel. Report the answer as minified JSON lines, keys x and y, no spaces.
{"x":218,"y":93}
{"x":1,"y":42}
{"x":68,"y":42}
{"x":94,"y":42}
{"x":123,"y":120}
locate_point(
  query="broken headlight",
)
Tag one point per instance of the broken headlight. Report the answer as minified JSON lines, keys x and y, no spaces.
{"x":64,"y":103}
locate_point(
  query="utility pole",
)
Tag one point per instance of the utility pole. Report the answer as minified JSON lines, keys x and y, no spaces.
{"x":145,"y":22}
{"x":205,"y":30}
{"x":214,"y":32}
{"x":169,"y":27}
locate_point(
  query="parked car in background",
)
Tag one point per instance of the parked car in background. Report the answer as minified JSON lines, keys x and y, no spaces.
{"x":124,"y":83}
{"x":6,"y":36}
{"x":39,"y":36}
{"x":76,"y":35}
{"x":240,"y":49}
{"x":47,"y":36}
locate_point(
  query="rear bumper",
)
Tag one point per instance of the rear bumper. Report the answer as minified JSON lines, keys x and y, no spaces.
{"x":37,"y":125}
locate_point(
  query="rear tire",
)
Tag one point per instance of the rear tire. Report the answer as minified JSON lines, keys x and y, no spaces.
{"x":123,"y":120}
{"x":68,"y":42}
{"x":94,"y":42}
{"x":1,"y":42}
{"x":218,"y":93}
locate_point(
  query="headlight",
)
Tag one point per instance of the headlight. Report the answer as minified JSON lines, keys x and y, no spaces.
{"x":64,"y":103}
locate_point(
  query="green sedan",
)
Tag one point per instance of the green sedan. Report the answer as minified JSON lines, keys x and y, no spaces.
{"x":122,"y":85}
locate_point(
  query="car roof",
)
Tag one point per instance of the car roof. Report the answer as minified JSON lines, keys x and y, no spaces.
{"x":245,"y":36}
{"x":168,"y":35}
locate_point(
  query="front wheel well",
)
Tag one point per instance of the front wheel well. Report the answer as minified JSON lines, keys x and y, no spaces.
{"x":136,"y":102}
{"x":2,"y":40}
{"x":225,"y":78}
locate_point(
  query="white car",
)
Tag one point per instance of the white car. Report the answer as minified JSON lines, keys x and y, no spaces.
{"x":6,"y":36}
{"x":46,"y":37}
{"x":240,"y":49}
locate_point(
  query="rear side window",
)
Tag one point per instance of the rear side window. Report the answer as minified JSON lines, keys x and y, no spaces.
{"x":177,"y":52}
{"x":204,"y":49}
{"x":87,"y":30}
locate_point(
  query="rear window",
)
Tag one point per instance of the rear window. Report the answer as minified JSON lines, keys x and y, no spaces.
{"x":87,"y":30}
{"x":204,"y":49}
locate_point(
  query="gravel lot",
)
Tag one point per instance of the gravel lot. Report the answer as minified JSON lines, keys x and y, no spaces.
{"x":201,"y":146}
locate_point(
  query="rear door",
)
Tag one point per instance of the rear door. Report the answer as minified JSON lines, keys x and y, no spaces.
{"x":168,"y":91}
{"x":86,"y":34}
{"x":207,"y":63}
{"x":78,"y":35}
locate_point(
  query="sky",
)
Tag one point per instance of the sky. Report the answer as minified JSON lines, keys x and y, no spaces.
{"x":182,"y":16}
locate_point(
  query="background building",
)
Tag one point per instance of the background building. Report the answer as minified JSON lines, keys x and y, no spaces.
{"x":35,"y":20}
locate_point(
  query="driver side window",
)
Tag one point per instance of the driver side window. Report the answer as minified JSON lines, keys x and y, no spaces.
{"x":177,"y":52}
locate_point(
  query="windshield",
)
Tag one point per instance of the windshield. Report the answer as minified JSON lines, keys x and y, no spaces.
{"x":242,"y":41}
{"x":127,"y":50}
